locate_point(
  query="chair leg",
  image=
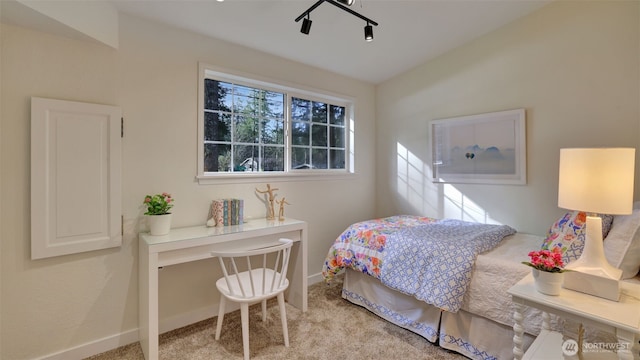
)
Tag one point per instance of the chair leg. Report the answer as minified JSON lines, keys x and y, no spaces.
{"x":283,"y":318}
{"x":221,"y":309}
{"x":264,"y":310}
{"x":244,"y":316}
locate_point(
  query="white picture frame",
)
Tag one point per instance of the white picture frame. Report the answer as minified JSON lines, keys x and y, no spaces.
{"x":487,"y":148}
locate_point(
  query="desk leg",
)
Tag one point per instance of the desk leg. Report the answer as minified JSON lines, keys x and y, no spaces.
{"x":148,"y":302}
{"x":297,"y":294}
{"x":518,"y":330}
{"x":627,"y":342}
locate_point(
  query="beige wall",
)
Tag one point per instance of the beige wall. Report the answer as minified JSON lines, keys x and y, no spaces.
{"x":572,"y":65}
{"x":55,"y":304}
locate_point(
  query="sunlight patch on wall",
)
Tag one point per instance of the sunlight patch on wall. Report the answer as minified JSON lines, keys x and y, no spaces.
{"x":459,"y":206}
{"x":426,"y":198}
{"x":411,"y":177}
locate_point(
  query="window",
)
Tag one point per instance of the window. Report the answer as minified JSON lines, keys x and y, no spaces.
{"x":254,"y":127}
{"x":243,"y":128}
{"x":317,"y":135}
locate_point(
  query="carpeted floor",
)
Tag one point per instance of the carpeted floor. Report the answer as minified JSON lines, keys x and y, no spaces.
{"x":331,"y":328}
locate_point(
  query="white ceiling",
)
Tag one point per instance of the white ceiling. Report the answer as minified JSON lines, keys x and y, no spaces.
{"x":409,"y":32}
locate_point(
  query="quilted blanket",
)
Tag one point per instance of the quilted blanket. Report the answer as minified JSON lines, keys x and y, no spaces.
{"x":418,"y":256}
{"x":361,"y":246}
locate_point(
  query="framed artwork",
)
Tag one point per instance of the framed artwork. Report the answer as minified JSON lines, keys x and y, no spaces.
{"x":482,"y":149}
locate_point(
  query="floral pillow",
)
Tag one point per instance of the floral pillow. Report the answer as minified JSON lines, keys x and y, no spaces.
{"x":568,"y":234}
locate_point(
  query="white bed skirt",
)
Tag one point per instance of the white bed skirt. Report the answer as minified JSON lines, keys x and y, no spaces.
{"x":400,"y":309}
{"x":470,"y":335}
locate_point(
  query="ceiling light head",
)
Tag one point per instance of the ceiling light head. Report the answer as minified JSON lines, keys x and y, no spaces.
{"x":306,"y":25}
{"x":368,"y":32}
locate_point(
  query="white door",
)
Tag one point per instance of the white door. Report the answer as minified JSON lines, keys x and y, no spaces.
{"x":75,"y":177}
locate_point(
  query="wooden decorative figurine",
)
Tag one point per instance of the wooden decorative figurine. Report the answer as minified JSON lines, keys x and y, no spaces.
{"x":271,"y":212}
{"x":281,"y":212}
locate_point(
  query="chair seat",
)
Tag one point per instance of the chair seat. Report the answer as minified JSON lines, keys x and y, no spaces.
{"x":252,"y":286}
{"x":235,"y":293}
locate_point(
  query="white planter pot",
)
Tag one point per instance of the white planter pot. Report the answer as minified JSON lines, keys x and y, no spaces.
{"x":159,"y":224}
{"x":548,"y":283}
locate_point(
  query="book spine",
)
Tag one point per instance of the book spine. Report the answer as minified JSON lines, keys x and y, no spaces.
{"x":218,"y":212}
{"x":234,"y":209}
{"x":226,"y":212}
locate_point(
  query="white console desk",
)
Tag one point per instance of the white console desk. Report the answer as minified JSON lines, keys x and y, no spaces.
{"x":195,"y":243}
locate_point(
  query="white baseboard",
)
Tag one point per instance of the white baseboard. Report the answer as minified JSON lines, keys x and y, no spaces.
{"x":315,"y":278}
{"x":184,"y":319}
{"x":95,"y":347}
{"x":131,"y":336}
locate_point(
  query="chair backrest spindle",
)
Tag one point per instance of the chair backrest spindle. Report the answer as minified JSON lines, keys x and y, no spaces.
{"x":264,"y":281}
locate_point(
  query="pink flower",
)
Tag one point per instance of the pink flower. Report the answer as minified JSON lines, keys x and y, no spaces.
{"x":545,"y":260}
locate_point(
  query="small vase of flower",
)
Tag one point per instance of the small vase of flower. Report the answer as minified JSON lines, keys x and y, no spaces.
{"x":158,"y":215}
{"x":548,"y":270}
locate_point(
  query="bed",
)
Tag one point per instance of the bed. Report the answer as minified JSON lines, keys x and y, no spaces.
{"x":477,"y":322}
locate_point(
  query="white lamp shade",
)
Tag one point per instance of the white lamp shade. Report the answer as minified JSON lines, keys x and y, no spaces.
{"x":597,"y":180}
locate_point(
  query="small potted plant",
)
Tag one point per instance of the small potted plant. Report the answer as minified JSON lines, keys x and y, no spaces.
{"x":548,"y":269}
{"x":159,"y":217}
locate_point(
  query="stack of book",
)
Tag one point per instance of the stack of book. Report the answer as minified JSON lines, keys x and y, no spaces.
{"x":227,"y":212}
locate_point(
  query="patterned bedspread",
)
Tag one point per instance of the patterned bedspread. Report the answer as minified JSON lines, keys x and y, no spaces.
{"x":361,"y":246}
{"x":417,"y":256}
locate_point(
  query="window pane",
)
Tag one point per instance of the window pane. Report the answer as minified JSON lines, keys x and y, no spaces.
{"x":217,"y":157}
{"x":319,"y":135}
{"x":273,"y":132}
{"x":217,"y":127}
{"x":337,"y":159}
{"x":336,"y":135}
{"x":273,"y":158}
{"x":274,"y":104}
{"x":319,"y":112}
{"x":300,"y":109}
{"x":217,"y":95}
{"x":246,"y":100}
{"x":300,"y":158}
{"x":319,"y":158}
{"x":300,"y":133}
{"x":337,"y":115}
{"x":245,"y":158}
{"x":246,"y":129}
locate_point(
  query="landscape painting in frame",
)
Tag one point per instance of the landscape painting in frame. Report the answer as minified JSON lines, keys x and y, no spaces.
{"x":483,"y":149}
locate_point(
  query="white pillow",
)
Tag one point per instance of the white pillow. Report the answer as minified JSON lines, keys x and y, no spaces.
{"x":622,"y":245}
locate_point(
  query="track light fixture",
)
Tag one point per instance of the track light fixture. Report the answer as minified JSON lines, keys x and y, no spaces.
{"x":368,"y":32}
{"x":306,"y":25}
{"x":306,"y":22}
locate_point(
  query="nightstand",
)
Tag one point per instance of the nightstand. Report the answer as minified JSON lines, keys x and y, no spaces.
{"x":621,"y":318}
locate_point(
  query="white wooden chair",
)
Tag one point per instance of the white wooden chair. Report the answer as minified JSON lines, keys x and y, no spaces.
{"x":253,"y":285}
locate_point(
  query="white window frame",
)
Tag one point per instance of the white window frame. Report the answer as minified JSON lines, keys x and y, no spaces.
{"x":212,"y":72}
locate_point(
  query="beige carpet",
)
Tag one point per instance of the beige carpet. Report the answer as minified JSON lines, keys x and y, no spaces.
{"x":332,"y":328}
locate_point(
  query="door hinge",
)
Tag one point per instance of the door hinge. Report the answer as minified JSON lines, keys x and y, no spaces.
{"x":122,"y":127}
{"x":122,"y":225}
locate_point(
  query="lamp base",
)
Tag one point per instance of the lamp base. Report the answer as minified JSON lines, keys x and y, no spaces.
{"x":591,"y":273}
{"x":595,"y":285}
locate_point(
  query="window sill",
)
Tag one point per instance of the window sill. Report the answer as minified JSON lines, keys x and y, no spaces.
{"x":251,"y":178}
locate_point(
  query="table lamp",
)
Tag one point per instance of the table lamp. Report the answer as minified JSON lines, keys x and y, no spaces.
{"x":595,"y":180}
